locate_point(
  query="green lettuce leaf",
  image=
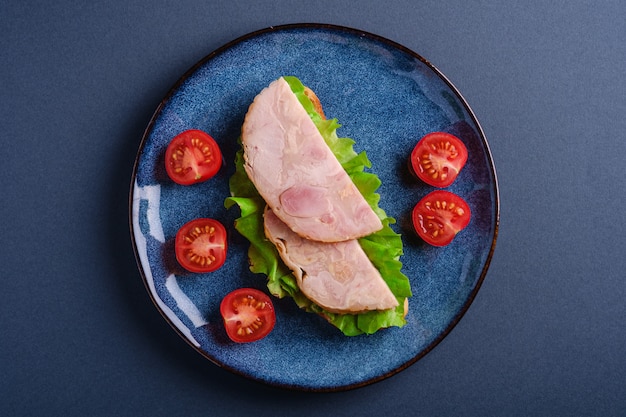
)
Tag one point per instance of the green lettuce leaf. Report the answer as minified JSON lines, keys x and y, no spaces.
{"x":383,"y":248}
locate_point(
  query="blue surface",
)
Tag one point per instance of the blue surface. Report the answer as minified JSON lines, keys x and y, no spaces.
{"x":80,"y":334}
{"x":389,"y":98}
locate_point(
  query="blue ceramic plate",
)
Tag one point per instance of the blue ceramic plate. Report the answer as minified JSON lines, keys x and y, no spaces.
{"x":386,"y":97}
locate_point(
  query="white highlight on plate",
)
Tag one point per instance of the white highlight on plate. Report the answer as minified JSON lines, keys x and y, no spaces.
{"x":152,"y":194}
{"x":183,"y":302}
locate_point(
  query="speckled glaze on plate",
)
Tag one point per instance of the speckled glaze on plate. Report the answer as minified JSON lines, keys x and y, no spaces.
{"x":386,"y":97}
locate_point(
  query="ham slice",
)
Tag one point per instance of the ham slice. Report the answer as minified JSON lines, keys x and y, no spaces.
{"x":336,"y":276}
{"x":297,"y":174}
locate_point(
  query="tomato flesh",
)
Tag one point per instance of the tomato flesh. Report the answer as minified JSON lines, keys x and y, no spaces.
{"x":438,"y":158}
{"x":201,"y":245}
{"x":192,"y":156}
{"x":248,"y":315}
{"x":439,"y":216}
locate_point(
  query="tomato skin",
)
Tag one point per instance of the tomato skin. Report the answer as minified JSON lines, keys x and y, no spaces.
{"x":201,"y":245}
{"x":248,"y":315}
{"x":191,"y":157}
{"x":439,"y":216}
{"x":438,"y":158}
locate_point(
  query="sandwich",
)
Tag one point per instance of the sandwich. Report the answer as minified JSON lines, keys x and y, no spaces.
{"x":311,"y":214}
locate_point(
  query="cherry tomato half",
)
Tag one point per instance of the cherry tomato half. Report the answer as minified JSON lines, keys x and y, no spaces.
{"x":439,"y":216}
{"x":191,"y":157}
{"x":248,"y":315}
{"x":201,"y":245}
{"x":438,"y":158}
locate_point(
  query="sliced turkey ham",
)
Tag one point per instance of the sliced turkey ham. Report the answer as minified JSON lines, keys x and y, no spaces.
{"x":297,"y":174}
{"x":337,"y":276}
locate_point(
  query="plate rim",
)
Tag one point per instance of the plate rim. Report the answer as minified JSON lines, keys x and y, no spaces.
{"x":354,"y":32}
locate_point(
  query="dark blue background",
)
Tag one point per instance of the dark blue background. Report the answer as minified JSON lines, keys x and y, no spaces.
{"x":80,"y":81}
